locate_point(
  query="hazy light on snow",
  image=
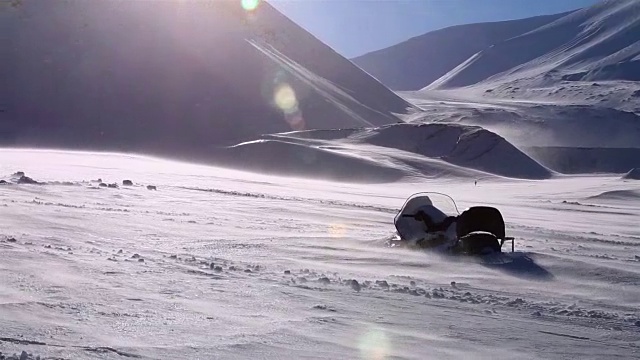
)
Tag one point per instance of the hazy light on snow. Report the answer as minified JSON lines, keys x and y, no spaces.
{"x":374,"y":345}
{"x":337,"y":230}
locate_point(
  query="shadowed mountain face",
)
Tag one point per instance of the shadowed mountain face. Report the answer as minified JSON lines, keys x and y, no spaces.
{"x":173,"y":77}
{"x":415,"y":63}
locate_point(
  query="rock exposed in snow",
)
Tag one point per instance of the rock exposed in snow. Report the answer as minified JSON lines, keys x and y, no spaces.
{"x":27,"y":180}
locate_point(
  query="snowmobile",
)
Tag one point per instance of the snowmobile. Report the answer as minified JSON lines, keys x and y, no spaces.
{"x":431,"y":220}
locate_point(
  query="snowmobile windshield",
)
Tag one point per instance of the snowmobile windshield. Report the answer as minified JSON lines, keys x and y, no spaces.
{"x":442,"y":202}
{"x":436,"y":205}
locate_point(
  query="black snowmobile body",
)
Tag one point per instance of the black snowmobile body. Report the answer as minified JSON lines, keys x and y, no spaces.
{"x":478,"y":230}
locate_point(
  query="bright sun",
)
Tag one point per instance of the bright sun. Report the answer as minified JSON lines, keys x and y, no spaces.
{"x":250,"y":5}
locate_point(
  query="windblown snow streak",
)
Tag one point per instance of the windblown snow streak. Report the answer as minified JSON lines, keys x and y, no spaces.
{"x":386,"y":153}
{"x":223,"y":264}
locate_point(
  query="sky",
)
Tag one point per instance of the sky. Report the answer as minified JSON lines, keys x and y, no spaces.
{"x":355,"y":27}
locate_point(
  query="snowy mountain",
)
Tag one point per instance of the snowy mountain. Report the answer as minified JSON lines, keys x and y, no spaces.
{"x":589,"y":57}
{"x":173,"y":77}
{"x":417,"y":62}
{"x":207,"y":82}
{"x":598,"y":43}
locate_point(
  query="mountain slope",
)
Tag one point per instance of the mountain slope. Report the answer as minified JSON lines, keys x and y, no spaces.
{"x":415,"y":63}
{"x":174,"y":77}
{"x":601,"y":42}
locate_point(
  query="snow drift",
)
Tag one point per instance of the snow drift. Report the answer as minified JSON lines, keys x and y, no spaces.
{"x":553,"y":125}
{"x":173,"y":77}
{"x":387,"y":153}
{"x":467,"y":146}
{"x":581,"y":160}
{"x":282,"y":157}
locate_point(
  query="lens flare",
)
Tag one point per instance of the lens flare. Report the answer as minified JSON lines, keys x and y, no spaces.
{"x":285,"y":99}
{"x":374,"y":345}
{"x":296,"y":121}
{"x":250,"y":5}
{"x":337,"y":230}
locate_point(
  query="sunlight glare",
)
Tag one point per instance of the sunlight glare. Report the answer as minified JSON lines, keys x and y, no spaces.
{"x":285,"y":99}
{"x":250,"y":5}
{"x":337,"y":230}
{"x":374,"y":345}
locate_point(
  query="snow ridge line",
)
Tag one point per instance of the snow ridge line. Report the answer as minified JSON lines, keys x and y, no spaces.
{"x":337,"y":203}
{"x":98,"y":349}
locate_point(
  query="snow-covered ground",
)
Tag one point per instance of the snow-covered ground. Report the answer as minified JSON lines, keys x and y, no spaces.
{"x":224,"y":264}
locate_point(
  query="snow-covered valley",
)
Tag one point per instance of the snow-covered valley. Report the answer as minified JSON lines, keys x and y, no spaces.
{"x":224,"y":264}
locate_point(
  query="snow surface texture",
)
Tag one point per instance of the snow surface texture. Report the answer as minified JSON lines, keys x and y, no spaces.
{"x":173,"y":77}
{"x":223,"y":264}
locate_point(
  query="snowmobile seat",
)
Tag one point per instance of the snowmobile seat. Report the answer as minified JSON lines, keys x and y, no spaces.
{"x":483,"y":219}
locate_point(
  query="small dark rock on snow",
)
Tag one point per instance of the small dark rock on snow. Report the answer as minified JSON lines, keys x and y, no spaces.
{"x":11,"y":240}
{"x":113,"y":186}
{"x":287,"y":272}
{"x":3,"y":182}
{"x":355,"y":285}
{"x":27,"y":180}
{"x":151,"y":187}
{"x":127,"y":182}
{"x":102,"y":184}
